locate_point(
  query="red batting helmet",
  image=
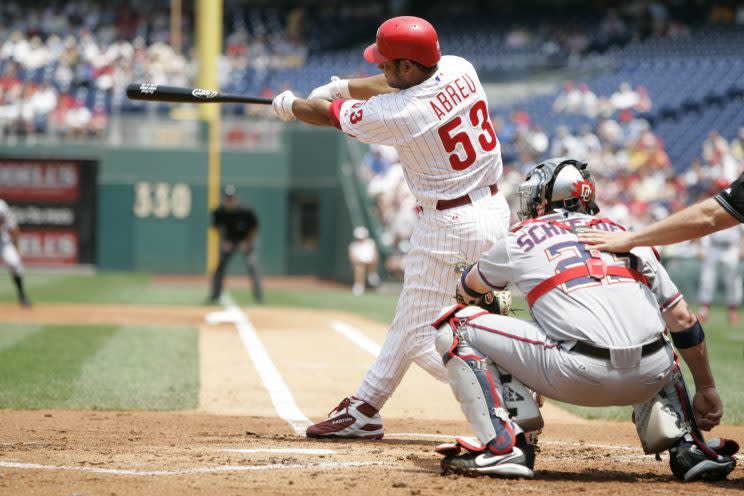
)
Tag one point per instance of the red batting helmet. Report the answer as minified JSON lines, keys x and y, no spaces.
{"x":405,"y":37}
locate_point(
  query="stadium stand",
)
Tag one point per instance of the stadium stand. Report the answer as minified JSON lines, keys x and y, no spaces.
{"x":675,"y":75}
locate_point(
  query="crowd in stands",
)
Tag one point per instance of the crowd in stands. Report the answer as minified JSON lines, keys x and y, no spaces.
{"x":64,"y":66}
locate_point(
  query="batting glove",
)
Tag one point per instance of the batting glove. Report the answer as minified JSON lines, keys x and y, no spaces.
{"x":282,"y":106}
{"x":337,"y":88}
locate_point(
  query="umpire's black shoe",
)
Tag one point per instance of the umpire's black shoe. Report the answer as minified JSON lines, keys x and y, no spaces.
{"x":517,"y":463}
{"x":689,"y":463}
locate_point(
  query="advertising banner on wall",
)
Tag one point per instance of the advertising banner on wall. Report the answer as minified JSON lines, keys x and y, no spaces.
{"x":54,"y":202}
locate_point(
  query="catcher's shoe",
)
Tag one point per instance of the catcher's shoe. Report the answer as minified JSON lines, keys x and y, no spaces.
{"x":517,"y":463}
{"x":352,"y":418}
{"x":689,"y":463}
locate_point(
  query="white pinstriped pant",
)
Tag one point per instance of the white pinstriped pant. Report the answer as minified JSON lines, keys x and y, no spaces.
{"x":440,"y":239}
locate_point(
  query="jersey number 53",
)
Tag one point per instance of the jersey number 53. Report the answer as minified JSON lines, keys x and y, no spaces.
{"x":487,"y":140}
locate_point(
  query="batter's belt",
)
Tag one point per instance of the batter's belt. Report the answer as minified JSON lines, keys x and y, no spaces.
{"x":604,"y":353}
{"x":462,"y":200}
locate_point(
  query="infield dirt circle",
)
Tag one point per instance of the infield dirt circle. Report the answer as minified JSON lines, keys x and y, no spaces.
{"x":235,"y":443}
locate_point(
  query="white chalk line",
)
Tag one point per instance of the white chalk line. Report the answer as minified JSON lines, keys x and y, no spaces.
{"x":281,"y":397}
{"x":295,"y":451}
{"x":548,"y":443}
{"x":194,"y":470}
{"x":357,"y":337}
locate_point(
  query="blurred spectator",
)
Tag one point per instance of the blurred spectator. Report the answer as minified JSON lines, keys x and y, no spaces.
{"x":624,"y":98}
{"x":716,"y":152}
{"x":532,"y":143}
{"x":589,"y":141}
{"x":566,"y":145}
{"x":363,"y":257}
{"x":644,"y":100}
{"x":589,"y":104}
{"x":609,"y":131}
{"x":569,"y":100}
{"x":737,"y":148}
{"x":77,"y":121}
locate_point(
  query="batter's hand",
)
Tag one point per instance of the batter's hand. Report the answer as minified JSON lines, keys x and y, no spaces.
{"x":282,"y":106}
{"x":617,"y":242}
{"x":707,"y":407}
{"x":337,"y":88}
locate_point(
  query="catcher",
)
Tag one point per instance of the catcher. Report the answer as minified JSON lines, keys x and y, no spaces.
{"x":597,"y":339}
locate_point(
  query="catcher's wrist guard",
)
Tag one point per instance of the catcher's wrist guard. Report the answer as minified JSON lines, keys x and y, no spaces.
{"x":470,"y":291}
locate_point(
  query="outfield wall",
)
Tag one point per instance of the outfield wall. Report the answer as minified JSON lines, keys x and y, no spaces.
{"x":151,"y":203}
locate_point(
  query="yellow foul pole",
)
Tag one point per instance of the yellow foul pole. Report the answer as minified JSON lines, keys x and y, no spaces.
{"x":209,"y":46}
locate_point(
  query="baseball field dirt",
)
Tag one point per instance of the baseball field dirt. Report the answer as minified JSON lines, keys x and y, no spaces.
{"x":236,"y":442}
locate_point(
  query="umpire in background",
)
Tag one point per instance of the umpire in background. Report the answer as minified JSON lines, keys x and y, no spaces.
{"x":237,"y":225}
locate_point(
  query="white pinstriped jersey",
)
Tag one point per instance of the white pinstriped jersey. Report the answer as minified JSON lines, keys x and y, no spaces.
{"x":613,"y":312}
{"x":440,"y":128}
{"x":7,"y":221}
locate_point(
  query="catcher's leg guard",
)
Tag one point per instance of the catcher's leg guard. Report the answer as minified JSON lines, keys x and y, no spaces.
{"x":475,"y":387}
{"x":658,"y":425}
{"x":667,"y":421}
{"x":520,"y":403}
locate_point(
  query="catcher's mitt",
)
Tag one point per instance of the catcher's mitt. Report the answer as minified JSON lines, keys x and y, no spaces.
{"x":496,"y":302}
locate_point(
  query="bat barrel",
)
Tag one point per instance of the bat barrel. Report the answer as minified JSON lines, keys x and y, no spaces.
{"x":158,"y":93}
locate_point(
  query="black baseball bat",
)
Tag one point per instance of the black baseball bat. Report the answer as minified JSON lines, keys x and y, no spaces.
{"x":158,"y":93}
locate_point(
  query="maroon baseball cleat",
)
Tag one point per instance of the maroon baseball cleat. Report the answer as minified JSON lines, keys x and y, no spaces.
{"x":352,"y":418}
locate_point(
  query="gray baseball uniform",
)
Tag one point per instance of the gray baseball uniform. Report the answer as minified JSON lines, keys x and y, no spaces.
{"x":620,"y":312}
{"x":721,"y":247}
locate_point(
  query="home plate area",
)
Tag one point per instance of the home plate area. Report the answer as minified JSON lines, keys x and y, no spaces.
{"x":66,"y":452}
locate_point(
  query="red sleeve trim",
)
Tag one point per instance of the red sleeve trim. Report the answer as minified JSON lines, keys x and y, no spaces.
{"x":336,"y":113}
{"x":671,"y":302}
{"x":656,"y":253}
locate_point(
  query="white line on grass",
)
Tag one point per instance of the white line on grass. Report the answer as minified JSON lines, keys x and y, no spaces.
{"x":281,"y":397}
{"x":195,"y":470}
{"x":297,"y":451}
{"x":356,"y":336}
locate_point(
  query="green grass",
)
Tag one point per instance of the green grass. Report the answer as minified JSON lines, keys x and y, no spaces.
{"x":107,"y":287}
{"x":136,"y":367}
{"x":98,"y":367}
{"x":137,"y":288}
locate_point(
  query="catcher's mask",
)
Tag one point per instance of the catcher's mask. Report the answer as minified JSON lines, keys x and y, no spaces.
{"x":557,"y":183}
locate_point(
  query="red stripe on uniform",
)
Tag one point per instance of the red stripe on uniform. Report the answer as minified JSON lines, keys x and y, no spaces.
{"x":335,"y":110}
{"x":518,"y":338}
{"x":671,"y":300}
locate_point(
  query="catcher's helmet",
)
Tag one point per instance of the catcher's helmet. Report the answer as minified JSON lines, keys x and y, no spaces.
{"x":405,"y":37}
{"x":557,"y":183}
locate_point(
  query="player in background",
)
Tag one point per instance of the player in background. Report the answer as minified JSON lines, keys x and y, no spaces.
{"x":434,"y":111}
{"x":722,"y":247}
{"x":9,"y":233}
{"x":597,"y":338}
{"x":363,"y":256}
{"x":237,"y":225}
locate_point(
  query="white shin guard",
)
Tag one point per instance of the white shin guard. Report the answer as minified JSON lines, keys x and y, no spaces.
{"x":476,"y":388}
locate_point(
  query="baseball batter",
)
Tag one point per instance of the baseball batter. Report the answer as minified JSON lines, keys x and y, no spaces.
{"x":597,"y":338}
{"x":722,"y":247}
{"x":8,"y":250}
{"x":434,"y":111}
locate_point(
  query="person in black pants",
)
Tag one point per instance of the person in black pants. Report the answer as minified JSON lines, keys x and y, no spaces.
{"x":238,"y":226}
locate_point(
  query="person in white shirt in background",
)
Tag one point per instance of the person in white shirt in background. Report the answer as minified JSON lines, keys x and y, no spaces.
{"x":363,"y":257}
